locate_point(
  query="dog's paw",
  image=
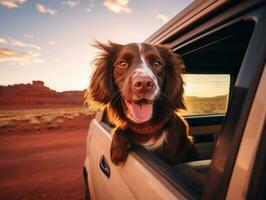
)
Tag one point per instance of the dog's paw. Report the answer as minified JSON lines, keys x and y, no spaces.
{"x":118,"y":155}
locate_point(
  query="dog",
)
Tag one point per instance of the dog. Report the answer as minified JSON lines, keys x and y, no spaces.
{"x":141,"y":88}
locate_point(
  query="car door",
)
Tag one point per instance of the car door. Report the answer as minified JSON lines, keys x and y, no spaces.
{"x":104,"y":181}
{"x":134,"y":180}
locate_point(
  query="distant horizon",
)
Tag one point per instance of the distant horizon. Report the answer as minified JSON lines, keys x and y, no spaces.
{"x":31,"y":82}
{"x":188,"y":92}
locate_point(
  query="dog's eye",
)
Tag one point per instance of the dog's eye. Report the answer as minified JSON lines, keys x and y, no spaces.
{"x":123,"y":64}
{"x":157,"y":65}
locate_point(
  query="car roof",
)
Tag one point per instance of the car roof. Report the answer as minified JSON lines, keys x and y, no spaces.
{"x":193,"y":14}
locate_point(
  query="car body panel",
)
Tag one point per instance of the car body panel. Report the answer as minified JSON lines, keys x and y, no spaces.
{"x":134,"y":180}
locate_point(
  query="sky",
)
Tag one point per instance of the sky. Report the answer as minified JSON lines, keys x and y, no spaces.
{"x":50,"y":40}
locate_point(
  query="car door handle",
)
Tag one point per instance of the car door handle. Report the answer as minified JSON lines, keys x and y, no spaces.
{"x":104,"y":166}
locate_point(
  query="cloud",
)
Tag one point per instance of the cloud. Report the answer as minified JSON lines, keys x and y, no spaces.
{"x":88,"y":10}
{"x":22,"y":58}
{"x":162,"y":17}
{"x":19,"y":43}
{"x":117,"y":6}
{"x":28,"y":36}
{"x":12,"y":3}
{"x":71,"y":3}
{"x":51,"y":42}
{"x":45,"y":10}
{"x":30,"y":56}
{"x":2,"y":41}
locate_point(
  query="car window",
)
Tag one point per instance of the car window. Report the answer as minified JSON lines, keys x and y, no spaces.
{"x":206,"y":94}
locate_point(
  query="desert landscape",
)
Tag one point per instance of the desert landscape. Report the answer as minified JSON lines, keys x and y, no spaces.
{"x":43,"y":138}
{"x":35,"y":108}
{"x":42,"y":142}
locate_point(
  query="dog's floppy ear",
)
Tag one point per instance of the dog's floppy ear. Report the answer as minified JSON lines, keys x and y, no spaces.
{"x":101,"y":86}
{"x":173,"y":84}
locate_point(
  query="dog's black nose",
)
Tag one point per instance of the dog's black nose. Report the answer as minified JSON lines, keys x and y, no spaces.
{"x":143,"y":84}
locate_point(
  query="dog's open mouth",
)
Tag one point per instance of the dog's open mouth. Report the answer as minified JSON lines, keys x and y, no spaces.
{"x":139,"y":111}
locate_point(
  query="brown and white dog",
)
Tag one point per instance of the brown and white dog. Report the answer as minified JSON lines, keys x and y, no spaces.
{"x":141,"y":87}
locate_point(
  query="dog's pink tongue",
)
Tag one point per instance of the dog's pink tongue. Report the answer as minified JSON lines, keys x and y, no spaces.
{"x":140,"y":112}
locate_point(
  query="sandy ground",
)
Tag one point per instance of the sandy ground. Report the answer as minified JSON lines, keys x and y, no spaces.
{"x":42,"y":166}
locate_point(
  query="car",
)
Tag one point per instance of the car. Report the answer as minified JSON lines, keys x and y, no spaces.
{"x":223,"y":45}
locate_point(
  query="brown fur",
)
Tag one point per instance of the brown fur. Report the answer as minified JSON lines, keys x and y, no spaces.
{"x":107,"y":91}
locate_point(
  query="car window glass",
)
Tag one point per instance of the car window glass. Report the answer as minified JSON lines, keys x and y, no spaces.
{"x":206,"y":93}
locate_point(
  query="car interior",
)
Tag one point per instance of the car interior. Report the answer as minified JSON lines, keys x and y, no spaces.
{"x":220,"y":51}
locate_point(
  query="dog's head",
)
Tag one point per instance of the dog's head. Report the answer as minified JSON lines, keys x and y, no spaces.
{"x":135,"y":78}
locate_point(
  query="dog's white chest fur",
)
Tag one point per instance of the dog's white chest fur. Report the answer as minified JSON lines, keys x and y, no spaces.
{"x":153,"y":144}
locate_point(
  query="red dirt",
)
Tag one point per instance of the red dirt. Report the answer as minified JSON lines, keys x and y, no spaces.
{"x":42,"y":166}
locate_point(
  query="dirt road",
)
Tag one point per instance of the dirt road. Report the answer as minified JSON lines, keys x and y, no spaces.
{"x":42,"y":166}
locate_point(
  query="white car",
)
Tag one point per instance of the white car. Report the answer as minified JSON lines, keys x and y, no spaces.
{"x":223,"y":44}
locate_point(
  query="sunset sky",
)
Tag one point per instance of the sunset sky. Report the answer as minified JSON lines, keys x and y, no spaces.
{"x":50,"y":40}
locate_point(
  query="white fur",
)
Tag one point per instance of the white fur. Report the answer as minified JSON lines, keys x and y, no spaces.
{"x":153,"y":144}
{"x":145,"y":70}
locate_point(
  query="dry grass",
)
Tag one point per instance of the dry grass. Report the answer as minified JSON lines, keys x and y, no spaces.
{"x":35,"y":117}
